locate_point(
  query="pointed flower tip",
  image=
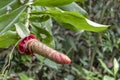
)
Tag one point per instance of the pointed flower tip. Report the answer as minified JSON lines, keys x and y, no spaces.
{"x":66,"y":59}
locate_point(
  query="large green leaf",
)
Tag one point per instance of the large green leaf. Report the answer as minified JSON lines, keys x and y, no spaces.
{"x":75,"y":19}
{"x":74,"y":7}
{"x":22,"y":30}
{"x":52,"y":3}
{"x":8,"y":39}
{"x":7,"y":20}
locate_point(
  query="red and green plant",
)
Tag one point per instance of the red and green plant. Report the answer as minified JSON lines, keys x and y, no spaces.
{"x":20,"y":18}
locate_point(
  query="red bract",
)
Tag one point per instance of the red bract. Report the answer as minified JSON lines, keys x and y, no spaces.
{"x":21,"y":46}
{"x":30,"y":45}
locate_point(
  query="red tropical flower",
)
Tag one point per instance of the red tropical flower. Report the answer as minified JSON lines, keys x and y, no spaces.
{"x":31,"y":45}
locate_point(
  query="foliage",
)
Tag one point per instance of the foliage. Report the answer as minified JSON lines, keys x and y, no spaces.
{"x":44,"y":18}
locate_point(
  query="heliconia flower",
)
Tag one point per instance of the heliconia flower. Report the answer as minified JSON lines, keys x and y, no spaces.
{"x":31,"y":45}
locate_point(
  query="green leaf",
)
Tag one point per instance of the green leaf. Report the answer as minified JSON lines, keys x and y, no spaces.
{"x":116,"y":66}
{"x":43,"y":30}
{"x":45,"y":35}
{"x":5,"y":3}
{"x":76,"y":70}
{"x":105,"y":67}
{"x":52,"y":3}
{"x":40,"y":58}
{"x":8,"y":38}
{"x":108,"y":78}
{"x":8,"y":6}
{"x":51,"y":64}
{"x":48,"y":26}
{"x":7,"y":20}
{"x":22,"y":30}
{"x":23,"y":76}
{"x":75,"y":8}
{"x":69,"y":26}
{"x":75,"y":19}
{"x":36,"y":18}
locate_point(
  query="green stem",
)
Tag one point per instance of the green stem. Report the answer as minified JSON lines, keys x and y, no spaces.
{"x":92,"y":58}
{"x":28,"y":14}
{"x":94,"y":52}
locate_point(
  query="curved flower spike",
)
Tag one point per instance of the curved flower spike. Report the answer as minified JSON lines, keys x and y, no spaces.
{"x":31,"y":45}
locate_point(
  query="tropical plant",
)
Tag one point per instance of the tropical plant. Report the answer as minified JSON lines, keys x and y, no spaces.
{"x":20,"y":18}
